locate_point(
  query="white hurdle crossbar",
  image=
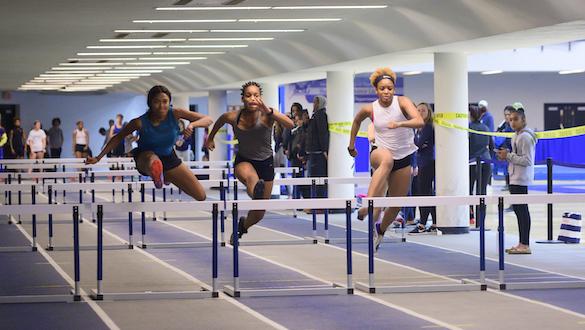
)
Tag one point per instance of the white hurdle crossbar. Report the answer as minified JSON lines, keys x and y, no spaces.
{"x":501,"y":283}
{"x":33,"y":210}
{"x":205,"y":292}
{"x":464,"y":285}
{"x":235,"y":290}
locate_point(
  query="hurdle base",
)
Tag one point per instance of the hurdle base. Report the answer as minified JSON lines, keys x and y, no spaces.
{"x":18,"y":249}
{"x":76,"y":297}
{"x":152,"y":295}
{"x":340,"y":240}
{"x":90,"y":247}
{"x":174,"y":245}
{"x":465,"y":285}
{"x":554,"y":241}
{"x":535,"y":285}
{"x":325,"y":290}
{"x":26,"y":299}
{"x":305,"y":241}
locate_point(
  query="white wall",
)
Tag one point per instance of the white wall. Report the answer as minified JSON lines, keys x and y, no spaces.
{"x":94,"y":110}
{"x":532,"y":89}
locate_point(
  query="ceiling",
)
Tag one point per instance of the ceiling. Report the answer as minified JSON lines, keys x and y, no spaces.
{"x":39,"y":35}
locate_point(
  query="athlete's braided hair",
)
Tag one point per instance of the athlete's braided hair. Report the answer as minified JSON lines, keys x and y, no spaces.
{"x":248,"y":84}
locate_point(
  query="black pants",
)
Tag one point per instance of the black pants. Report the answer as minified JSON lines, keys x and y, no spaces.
{"x":55,"y":152}
{"x":425,"y":187}
{"x":317,"y":167}
{"x":299,"y":191}
{"x":486,"y":174}
{"x":522,"y":214}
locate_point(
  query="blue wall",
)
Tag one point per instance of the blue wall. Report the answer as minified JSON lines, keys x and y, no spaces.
{"x":94,"y":110}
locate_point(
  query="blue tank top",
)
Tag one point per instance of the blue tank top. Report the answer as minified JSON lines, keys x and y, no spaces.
{"x":158,"y":139}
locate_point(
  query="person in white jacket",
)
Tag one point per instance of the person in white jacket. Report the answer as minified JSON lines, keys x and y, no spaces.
{"x":521,"y":169}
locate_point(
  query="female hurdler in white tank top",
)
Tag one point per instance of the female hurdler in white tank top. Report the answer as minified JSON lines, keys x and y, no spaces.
{"x":394,"y":119}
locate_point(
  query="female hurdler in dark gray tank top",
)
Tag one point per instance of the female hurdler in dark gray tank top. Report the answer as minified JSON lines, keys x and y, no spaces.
{"x":254,"y":164}
{"x":254,"y":143}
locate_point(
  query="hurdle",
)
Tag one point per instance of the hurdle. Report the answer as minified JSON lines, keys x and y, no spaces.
{"x":10,"y":210}
{"x":303,"y":241}
{"x":99,"y":294}
{"x":207,"y":184}
{"x":463,"y":285}
{"x":340,"y":240}
{"x":235,"y":290}
{"x":130,"y":187}
{"x":501,"y":282}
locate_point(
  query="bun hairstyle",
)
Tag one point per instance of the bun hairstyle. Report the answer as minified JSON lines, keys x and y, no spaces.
{"x":154,"y":91}
{"x":382,"y":73}
{"x":248,"y":84}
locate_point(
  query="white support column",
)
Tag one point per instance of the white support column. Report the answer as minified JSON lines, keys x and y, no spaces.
{"x":270,"y":97}
{"x":217,"y":105}
{"x":180,"y":101}
{"x":270,"y":94}
{"x":452,"y":146}
{"x":340,"y":105}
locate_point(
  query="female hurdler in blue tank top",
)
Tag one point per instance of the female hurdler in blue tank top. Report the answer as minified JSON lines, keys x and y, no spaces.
{"x":158,"y":131}
{"x":254,"y":164}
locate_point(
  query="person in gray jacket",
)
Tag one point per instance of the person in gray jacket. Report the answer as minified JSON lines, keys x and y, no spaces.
{"x":521,"y":169}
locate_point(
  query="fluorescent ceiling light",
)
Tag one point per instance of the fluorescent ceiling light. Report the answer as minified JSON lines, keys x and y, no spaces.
{"x":171,"y":58}
{"x":330,"y":7}
{"x":183,"y":8}
{"x":95,"y":82}
{"x":160,"y":31}
{"x":144,"y":40}
{"x":258,"y":20}
{"x":257,"y":31}
{"x":89,"y":86}
{"x":158,"y":63}
{"x":134,"y":71}
{"x":43,"y":85}
{"x":178,"y":8}
{"x":60,"y":79}
{"x":231,"y":39}
{"x":487,"y":73}
{"x":73,"y":68}
{"x":135,"y":75}
{"x":127,"y":47}
{"x":144,"y":67}
{"x":69,"y":72}
{"x":114,"y":54}
{"x":44,"y":75}
{"x":188,"y":53}
{"x":208,"y":46}
{"x":96,"y":59}
{"x":25,"y":88}
{"x":206,"y":31}
{"x":184,"y":21}
{"x":90,"y":64}
{"x":571,"y":71}
{"x":52,"y":81}
{"x":411,"y":73}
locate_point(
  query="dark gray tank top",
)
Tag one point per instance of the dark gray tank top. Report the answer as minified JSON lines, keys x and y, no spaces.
{"x":254,"y":143}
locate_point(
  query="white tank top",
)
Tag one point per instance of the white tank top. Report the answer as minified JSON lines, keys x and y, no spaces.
{"x":398,"y":140}
{"x":80,"y":137}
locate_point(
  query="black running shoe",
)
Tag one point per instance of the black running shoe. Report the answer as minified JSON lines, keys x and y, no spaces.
{"x":241,"y":230}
